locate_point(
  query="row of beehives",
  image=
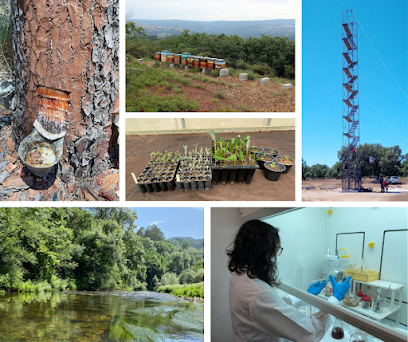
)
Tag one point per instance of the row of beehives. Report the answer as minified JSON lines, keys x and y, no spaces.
{"x":187,"y":59}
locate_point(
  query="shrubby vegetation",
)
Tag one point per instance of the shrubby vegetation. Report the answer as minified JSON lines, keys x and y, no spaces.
{"x":51,"y":249}
{"x":376,"y":160}
{"x":272,"y":56}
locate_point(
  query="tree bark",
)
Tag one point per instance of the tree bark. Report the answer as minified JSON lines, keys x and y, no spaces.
{"x":70,"y":46}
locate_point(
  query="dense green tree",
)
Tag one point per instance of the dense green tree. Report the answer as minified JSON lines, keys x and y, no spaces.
{"x":87,"y":249}
{"x":152,"y":232}
{"x":169,"y":278}
{"x":185,"y":244}
{"x":375,"y":160}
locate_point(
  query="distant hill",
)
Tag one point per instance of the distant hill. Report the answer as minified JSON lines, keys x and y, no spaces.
{"x":245,"y":29}
{"x":195,"y":243}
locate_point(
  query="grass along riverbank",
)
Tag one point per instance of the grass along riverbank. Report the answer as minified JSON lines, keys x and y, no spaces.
{"x":184,"y":290}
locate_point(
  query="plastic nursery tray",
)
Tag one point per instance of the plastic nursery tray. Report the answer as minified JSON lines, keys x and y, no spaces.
{"x":151,"y":183}
{"x":237,"y":173}
{"x":192,"y":183}
{"x":233,"y":173}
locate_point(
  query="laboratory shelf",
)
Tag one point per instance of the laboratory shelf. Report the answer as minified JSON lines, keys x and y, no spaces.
{"x":378,"y":316}
{"x":382,"y":284}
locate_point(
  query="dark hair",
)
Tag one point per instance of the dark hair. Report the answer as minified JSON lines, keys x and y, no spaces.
{"x":253,"y":249}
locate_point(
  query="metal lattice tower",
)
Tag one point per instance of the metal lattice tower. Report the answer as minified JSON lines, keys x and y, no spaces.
{"x":351,"y":172}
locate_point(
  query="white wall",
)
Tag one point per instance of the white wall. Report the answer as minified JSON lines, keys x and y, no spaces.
{"x":225,"y":223}
{"x":167,"y":125}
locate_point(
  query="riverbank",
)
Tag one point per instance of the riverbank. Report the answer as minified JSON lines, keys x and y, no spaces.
{"x":186,"y":291}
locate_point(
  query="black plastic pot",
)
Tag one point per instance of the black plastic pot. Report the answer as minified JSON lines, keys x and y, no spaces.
{"x":258,"y":149}
{"x":156,"y":187}
{"x":180,"y":186}
{"x":142,"y":188}
{"x":287,"y":166}
{"x":241,"y":175}
{"x":207,"y":184}
{"x":187,"y":186}
{"x":200,"y":185}
{"x":163,"y":186}
{"x":271,"y":151}
{"x":233,"y":175}
{"x":273,"y":175}
{"x":170,"y":185}
{"x":224,"y":175}
{"x":261,"y":162}
{"x":249,"y":175}
{"x":216,"y":175}
{"x":149,"y":187}
{"x":193,"y":185}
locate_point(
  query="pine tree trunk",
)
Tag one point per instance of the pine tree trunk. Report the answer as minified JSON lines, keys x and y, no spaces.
{"x":71,"y":46}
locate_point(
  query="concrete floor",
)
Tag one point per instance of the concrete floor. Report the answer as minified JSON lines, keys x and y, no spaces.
{"x":139,"y":147}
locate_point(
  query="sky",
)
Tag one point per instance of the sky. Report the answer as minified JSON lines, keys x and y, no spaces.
{"x":383,"y":106}
{"x":211,"y":10}
{"x":173,"y":222}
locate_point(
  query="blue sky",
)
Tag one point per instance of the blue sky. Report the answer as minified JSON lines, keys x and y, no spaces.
{"x":386,"y":25}
{"x":173,"y":222}
{"x":212,"y":10}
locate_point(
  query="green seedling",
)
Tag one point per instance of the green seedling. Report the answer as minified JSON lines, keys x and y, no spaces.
{"x":233,"y":157}
{"x":222,"y":143}
{"x":241,"y":156}
{"x":185,"y":150}
{"x":212,"y":134}
{"x":247,"y":141}
{"x":286,"y":158}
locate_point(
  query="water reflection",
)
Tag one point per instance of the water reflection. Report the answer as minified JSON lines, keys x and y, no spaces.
{"x":99,"y":316}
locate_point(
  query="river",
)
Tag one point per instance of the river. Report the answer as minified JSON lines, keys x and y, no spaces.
{"x":100,"y":316}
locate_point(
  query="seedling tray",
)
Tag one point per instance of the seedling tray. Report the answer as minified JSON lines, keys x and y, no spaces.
{"x":150,"y":182}
{"x":233,"y":173}
{"x":186,"y":180}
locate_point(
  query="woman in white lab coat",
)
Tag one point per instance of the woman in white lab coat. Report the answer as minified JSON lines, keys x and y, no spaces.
{"x":258,"y":313}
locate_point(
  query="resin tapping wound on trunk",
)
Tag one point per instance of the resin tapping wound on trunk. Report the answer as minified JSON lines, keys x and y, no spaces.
{"x":53,"y":93}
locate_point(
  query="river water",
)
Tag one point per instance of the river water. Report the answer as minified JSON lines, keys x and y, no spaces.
{"x":100,"y":316}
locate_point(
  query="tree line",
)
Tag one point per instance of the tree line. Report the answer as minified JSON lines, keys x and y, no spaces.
{"x":271,"y":55}
{"x":89,"y":249}
{"x":375,"y":160}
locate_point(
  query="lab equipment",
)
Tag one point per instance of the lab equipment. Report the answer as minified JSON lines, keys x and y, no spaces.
{"x":359,"y":336}
{"x":364,"y":266}
{"x":366,"y":302}
{"x":338,"y":329}
{"x":378,"y":302}
{"x":339,"y":274}
{"x":359,"y":295}
{"x":351,"y":300}
{"x":327,"y":291}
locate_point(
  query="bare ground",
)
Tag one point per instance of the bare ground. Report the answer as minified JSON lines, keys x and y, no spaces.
{"x":240,"y":95}
{"x":396,"y":192}
{"x":138,"y":148}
